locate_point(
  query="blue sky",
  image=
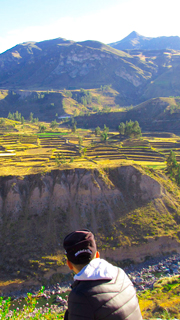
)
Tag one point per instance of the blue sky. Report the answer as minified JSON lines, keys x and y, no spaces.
{"x":103,"y":20}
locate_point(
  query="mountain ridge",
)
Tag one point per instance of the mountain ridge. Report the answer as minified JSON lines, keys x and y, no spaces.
{"x":57,"y":64}
{"x":70,"y":65}
{"x":136,"y":41}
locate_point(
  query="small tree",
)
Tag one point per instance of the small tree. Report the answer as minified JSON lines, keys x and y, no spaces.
{"x":80,"y":140}
{"x":136,"y":129}
{"x":54,"y":124}
{"x":178,"y":175}
{"x":173,"y":167}
{"x":17,"y":116}
{"x":42,"y":128}
{"x":121,"y":128}
{"x":130,"y":129}
{"x":22,"y":120}
{"x":80,"y":150}
{"x":106,"y":129}
{"x":84,"y":151}
{"x":2,"y":121}
{"x":97,"y":131}
{"x":31,"y":117}
{"x":104,"y":136}
{"x":36,"y":120}
{"x":171,"y":163}
{"x":73,"y":129}
{"x":73,"y":125}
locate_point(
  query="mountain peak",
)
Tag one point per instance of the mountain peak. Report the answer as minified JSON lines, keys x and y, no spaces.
{"x":133,"y":34}
{"x":134,"y":39}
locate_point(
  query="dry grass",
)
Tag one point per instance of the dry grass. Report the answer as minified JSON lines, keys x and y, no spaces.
{"x":163,"y":300}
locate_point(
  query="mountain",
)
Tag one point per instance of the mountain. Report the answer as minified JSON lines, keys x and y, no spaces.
{"x":60,"y":64}
{"x":138,"y":42}
{"x":136,"y":74}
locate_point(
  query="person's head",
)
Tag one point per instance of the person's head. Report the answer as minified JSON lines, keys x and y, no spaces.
{"x":80,"y":249}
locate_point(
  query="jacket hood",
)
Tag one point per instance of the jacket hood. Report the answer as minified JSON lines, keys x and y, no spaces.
{"x":97,"y":269}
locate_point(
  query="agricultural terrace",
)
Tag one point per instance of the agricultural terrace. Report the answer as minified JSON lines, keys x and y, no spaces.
{"x":25,"y":150}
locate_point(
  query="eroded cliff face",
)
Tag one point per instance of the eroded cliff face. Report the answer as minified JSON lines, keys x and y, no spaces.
{"x":37,"y":211}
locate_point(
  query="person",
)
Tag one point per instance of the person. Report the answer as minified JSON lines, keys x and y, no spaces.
{"x":100,"y":290}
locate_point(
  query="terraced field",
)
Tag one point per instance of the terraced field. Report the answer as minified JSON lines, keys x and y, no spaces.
{"x":37,"y":152}
{"x":165,"y":147}
{"x":165,"y":142}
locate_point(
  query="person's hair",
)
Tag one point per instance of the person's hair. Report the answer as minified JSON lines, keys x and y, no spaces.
{"x":79,"y":267}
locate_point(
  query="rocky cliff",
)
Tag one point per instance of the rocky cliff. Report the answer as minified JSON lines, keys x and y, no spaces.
{"x":123,"y":206}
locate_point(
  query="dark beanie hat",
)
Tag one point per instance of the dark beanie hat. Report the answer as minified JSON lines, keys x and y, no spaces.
{"x":80,"y":246}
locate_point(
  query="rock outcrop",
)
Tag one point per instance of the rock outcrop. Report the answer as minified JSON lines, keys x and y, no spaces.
{"x":37,"y":211}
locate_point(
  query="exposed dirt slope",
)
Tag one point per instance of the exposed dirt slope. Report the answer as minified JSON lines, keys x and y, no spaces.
{"x":123,"y":206}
